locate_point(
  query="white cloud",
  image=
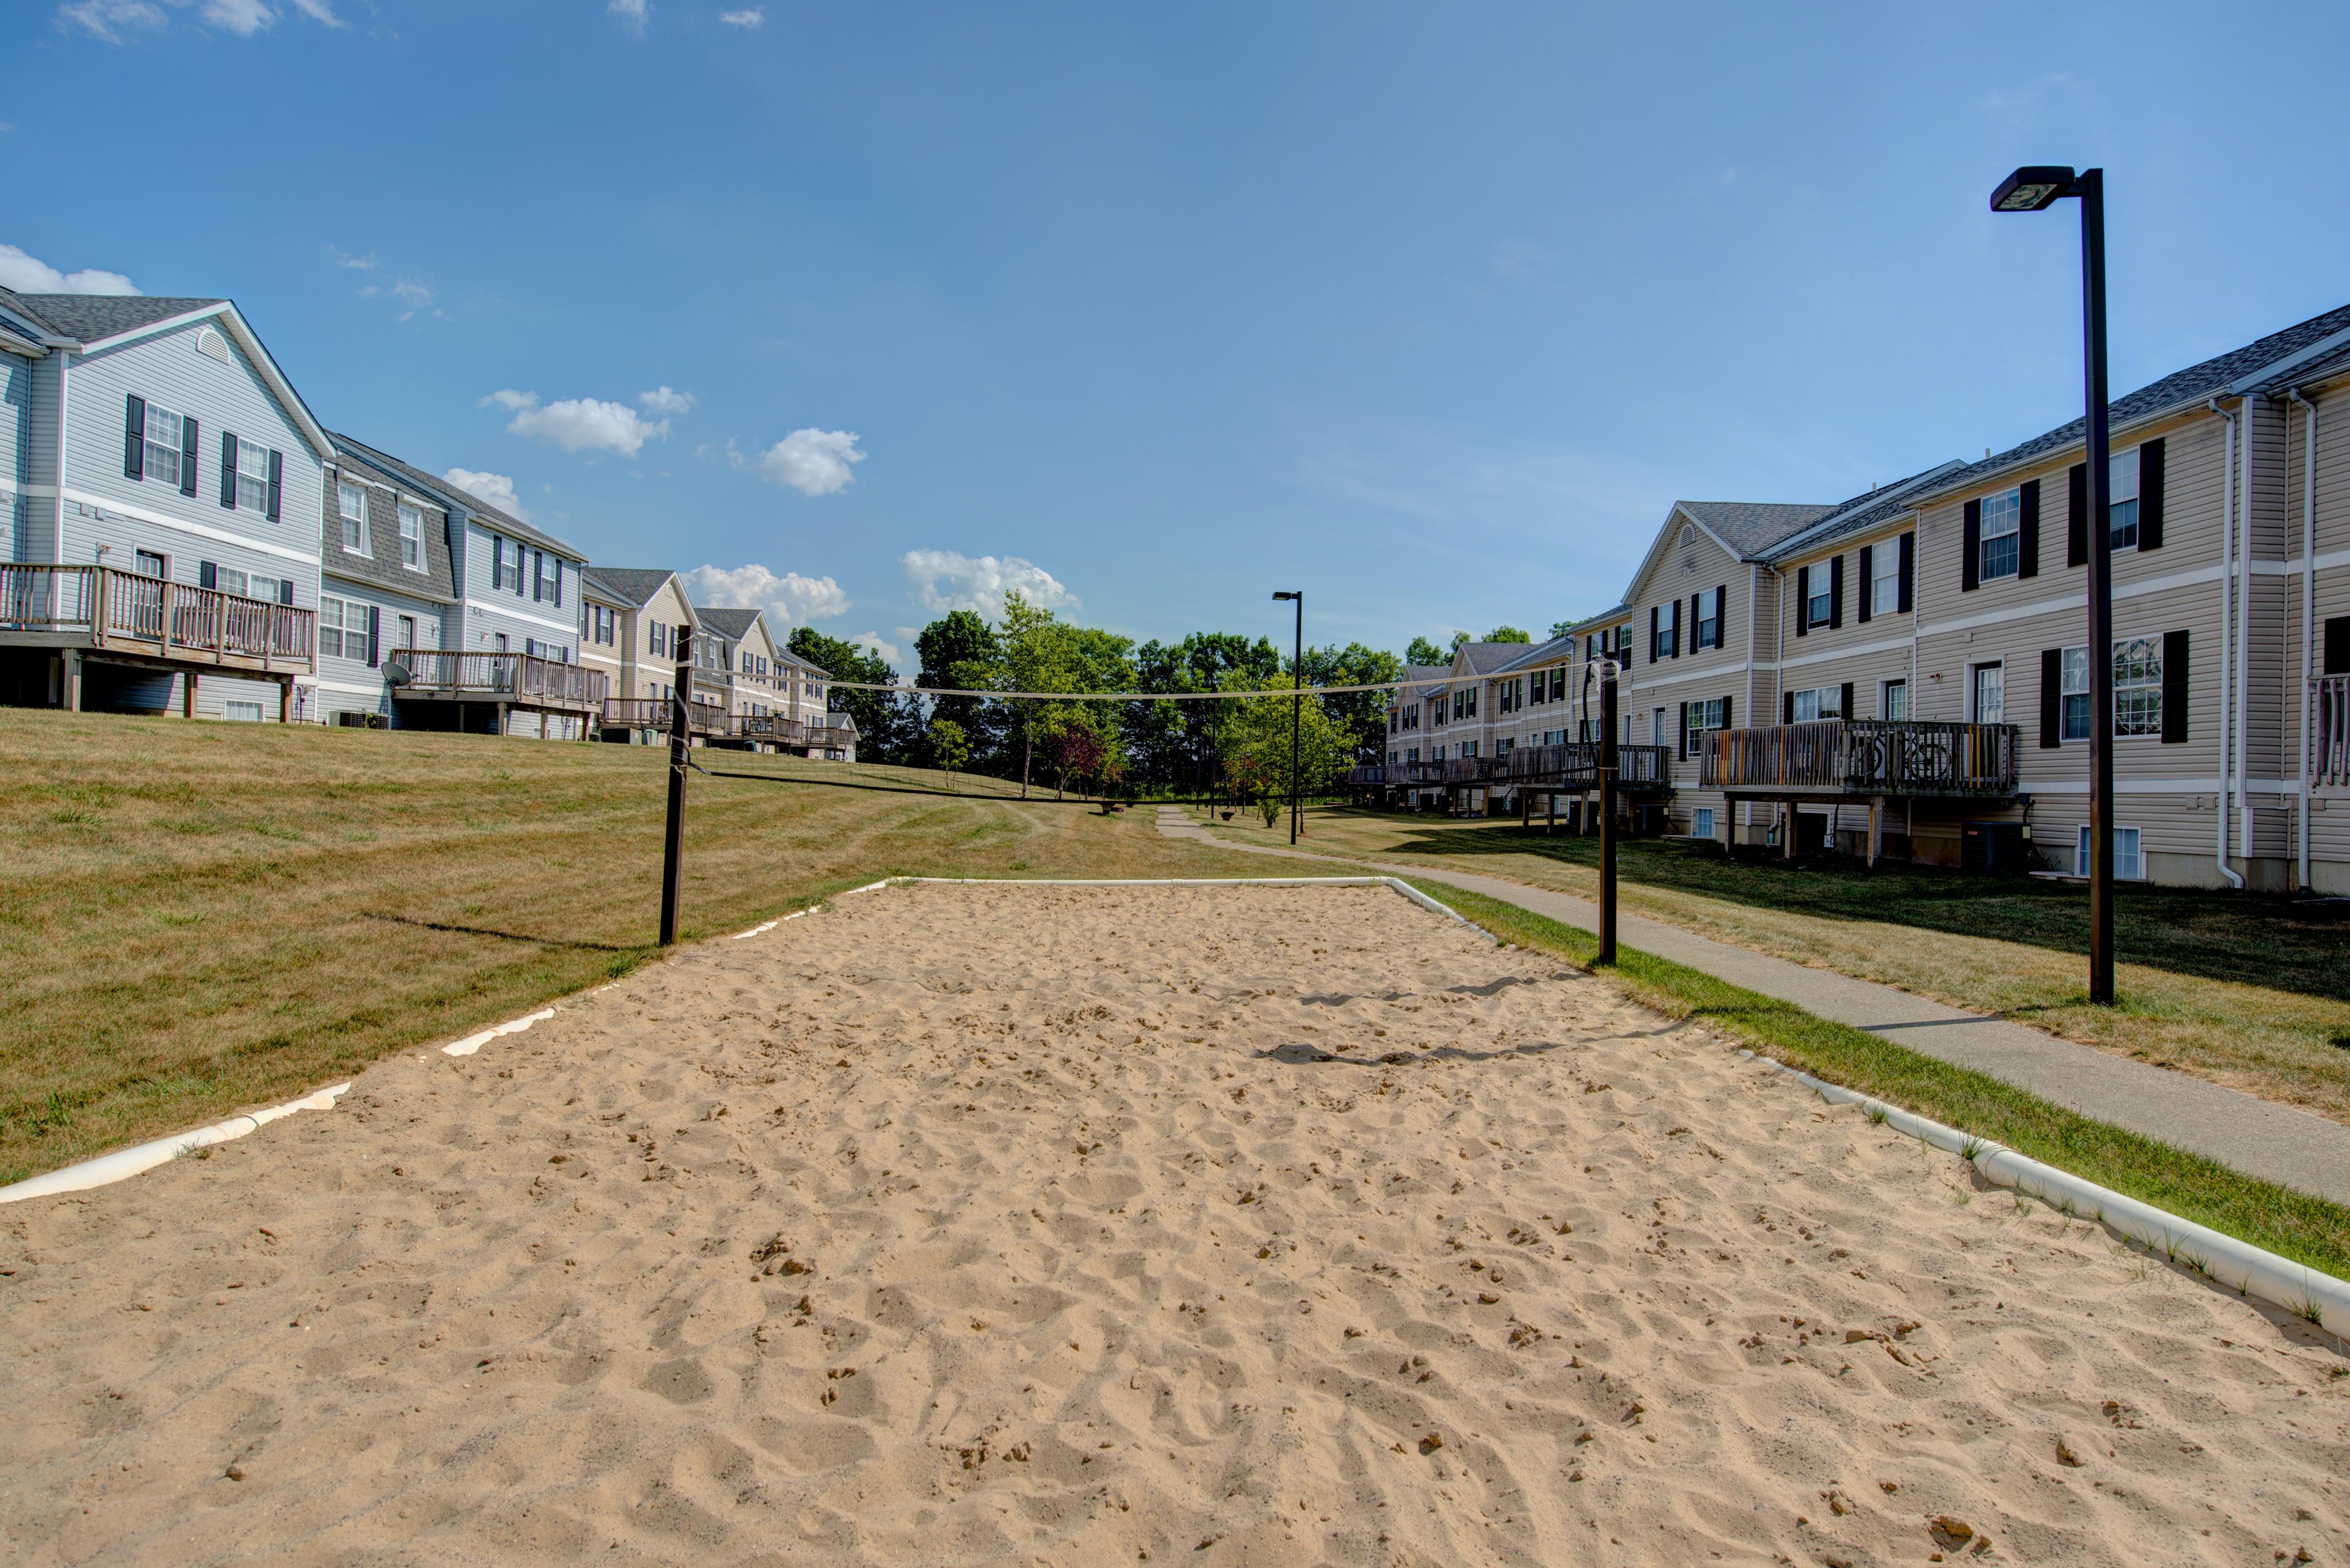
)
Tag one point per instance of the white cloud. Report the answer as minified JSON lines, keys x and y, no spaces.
{"x":29,"y":274}
{"x":577,"y":424}
{"x":243,"y":18}
{"x":663,"y":401}
{"x":789,"y":599}
{"x":356,"y":264}
{"x":494,"y":488}
{"x":319,"y":11}
{"x":632,"y":14}
{"x":871,"y":642}
{"x":407,"y":293}
{"x":945,"y":580}
{"x":100,"y":18}
{"x":757,"y":16}
{"x":813,"y":462}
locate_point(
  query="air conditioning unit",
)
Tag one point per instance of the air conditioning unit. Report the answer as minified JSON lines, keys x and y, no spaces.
{"x":356,"y":720}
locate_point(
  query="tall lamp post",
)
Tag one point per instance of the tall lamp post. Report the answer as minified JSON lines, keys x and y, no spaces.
{"x":1297,"y":704}
{"x":2031,"y":190}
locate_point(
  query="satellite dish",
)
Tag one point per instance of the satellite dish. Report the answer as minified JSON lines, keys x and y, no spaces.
{"x":396,"y":673}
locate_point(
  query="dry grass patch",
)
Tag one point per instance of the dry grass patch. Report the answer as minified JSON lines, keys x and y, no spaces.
{"x":198,"y":917}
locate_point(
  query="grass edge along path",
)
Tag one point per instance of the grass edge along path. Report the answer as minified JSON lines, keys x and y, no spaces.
{"x":2307,"y":1230}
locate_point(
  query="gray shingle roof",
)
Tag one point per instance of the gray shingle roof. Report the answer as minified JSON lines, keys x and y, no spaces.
{"x":633,"y":586}
{"x":730,"y":623}
{"x":1484,"y":657}
{"x":1750,"y":527}
{"x":447,"y":490}
{"x":2192,"y":385}
{"x":1548,"y":649}
{"x":382,"y":566}
{"x":1865,"y":511}
{"x":88,"y":318}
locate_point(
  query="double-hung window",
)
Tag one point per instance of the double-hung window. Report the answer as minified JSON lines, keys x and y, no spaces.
{"x":2137,"y":686}
{"x":1709,"y":621}
{"x":2072,"y":694}
{"x":1703,"y":715}
{"x":350,"y":503}
{"x":2001,"y":545}
{"x":253,"y":489}
{"x":150,"y":563}
{"x":1819,"y":609}
{"x":2121,"y":515}
{"x":330,"y":625}
{"x":165,"y":430}
{"x":1884,"y":588}
{"x":1819,"y":703}
{"x":412,"y":537}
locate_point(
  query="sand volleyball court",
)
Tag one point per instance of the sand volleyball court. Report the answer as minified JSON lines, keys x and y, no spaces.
{"x":964,"y":1225}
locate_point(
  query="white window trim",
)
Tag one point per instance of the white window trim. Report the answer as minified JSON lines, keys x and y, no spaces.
{"x":342,"y":518}
{"x":1984,"y":536}
{"x":2081,"y":851}
{"x":404,"y":510}
{"x":149,"y":445}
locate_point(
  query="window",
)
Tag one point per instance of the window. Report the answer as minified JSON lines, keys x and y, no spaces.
{"x":1558,"y":684}
{"x":1701,"y":822}
{"x":148,"y":563}
{"x":1658,"y":735}
{"x":2130,"y":854}
{"x":599,"y":625}
{"x":1707,"y":714}
{"x":2121,"y":515}
{"x":1990,"y":693}
{"x":350,"y":504}
{"x":1468,"y":748}
{"x":2073,"y":718}
{"x":1895,"y":702}
{"x":163,"y":440}
{"x":1885,"y":579}
{"x":412,"y":537}
{"x":498,"y":642}
{"x":1505,"y":745}
{"x":247,"y":584}
{"x":1411,"y":753}
{"x":252,"y":489}
{"x":2137,"y":686}
{"x":1709,"y":620}
{"x":1820,"y":606}
{"x":336,"y":615}
{"x":2003,"y":517}
{"x":243,"y":713}
{"x":1669,"y":631}
{"x":1819,"y":703}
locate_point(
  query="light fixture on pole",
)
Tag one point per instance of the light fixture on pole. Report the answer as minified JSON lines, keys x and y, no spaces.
{"x":2033,"y":189}
{"x":1297,"y":704}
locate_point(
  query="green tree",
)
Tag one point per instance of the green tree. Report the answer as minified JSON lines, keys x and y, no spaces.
{"x":1174,"y":746}
{"x":1423,"y":651}
{"x":1363,"y":715}
{"x":1257,"y":747}
{"x":1561,"y":627}
{"x":886,"y":730}
{"x":958,"y":649}
{"x":950,"y":746}
{"x":1508,"y":634}
{"x":1461,"y":637}
{"x":1040,"y":652}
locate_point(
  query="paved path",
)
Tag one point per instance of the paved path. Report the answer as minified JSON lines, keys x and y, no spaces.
{"x":2257,"y":1137}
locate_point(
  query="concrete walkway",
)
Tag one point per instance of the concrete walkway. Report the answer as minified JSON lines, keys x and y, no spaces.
{"x":2257,"y":1137}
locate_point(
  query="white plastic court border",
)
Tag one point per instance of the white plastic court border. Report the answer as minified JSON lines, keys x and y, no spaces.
{"x":2250,"y":1270}
{"x":124,"y":1163}
{"x":1396,"y":883}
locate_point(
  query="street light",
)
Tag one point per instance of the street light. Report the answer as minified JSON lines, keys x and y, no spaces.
{"x":2031,"y":190}
{"x":1297,"y":704}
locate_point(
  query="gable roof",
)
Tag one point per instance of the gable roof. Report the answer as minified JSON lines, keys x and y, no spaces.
{"x":731,"y":624}
{"x":1863,"y":513}
{"x":1543,"y":652}
{"x":454,"y":496}
{"x":1484,"y":657}
{"x":632,"y":586}
{"x":92,"y":318}
{"x":2235,"y":373}
{"x":1747,"y":528}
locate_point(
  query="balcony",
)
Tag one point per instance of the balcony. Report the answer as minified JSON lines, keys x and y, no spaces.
{"x":703,"y":718}
{"x":1640,"y":770}
{"x":523,"y":680}
{"x":2329,"y":732}
{"x":150,"y":619}
{"x":1837,"y":759}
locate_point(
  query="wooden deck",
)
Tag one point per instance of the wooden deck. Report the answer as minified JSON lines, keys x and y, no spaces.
{"x":519,"y":680}
{"x":151,"y":620}
{"x":1837,"y":759}
{"x":1569,"y":769}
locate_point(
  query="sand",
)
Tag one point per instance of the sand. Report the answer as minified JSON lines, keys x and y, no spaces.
{"x":1102,"y":1226}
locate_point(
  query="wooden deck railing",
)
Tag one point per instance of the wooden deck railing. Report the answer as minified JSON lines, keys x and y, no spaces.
{"x":2329,"y":732}
{"x":1863,"y":757}
{"x":150,"y":615}
{"x":1571,"y":766}
{"x":500,"y":677}
{"x":652,"y":714}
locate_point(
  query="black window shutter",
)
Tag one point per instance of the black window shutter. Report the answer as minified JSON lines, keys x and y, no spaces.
{"x":1725,"y":713}
{"x":2052,"y":698}
{"x":1786,"y":707}
{"x":207,"y":575}
{"x":2337,"y":645}
{"x":1652,"y":634}
{"x":1862,"y":607}
{"x":285,"y":590}
{"x":497,"y":562}
{"x":1909,"y":568}
{"x":2077,"y":516}
{"x":1803,"y":601}
{"x":276,"y":483}
{"x":2174,"y":686}
{"x":537,"y":577}
{"x":1697,"y":614}
{"x":2027,"y":530}
{"x":374,"y":634}
{"x":134,"y":438}
{"x":2149,"y":496}
{"x":1970,"y":567}
{"x":1685,"y":752}
{"x":188,"y":456}
{"x":1844,"y":703}
{"x":1722,"y":616}
{"x":558,"y":583}
{"x":1836,"y":591}
{"x":228,"y":468}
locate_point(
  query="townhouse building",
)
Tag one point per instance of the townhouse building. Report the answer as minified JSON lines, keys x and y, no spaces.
{"x":635,"y":617}
{"x":388,"y":586}
{"x":163,"y":482}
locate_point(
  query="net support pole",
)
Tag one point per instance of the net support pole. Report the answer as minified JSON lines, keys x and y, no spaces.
{"x":680,"y":740}
{"x":1607,"y":762}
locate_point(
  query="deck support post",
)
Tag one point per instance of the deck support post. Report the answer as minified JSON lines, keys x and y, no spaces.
{"x":1787,"y":839}
{"x":1876,"y":828}
{"x":1525,"y":811}
{"x":286,"y":701}
{"x":188,"y":695}
{"x":1551,"y":826}
{"x":71,"y":695}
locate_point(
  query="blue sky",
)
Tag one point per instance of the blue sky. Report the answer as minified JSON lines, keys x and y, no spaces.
{"x":1429,"y":311}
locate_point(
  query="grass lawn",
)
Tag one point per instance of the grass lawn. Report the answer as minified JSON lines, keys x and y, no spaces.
{"x":2308,"y":1229}
{"x":196,"y":917}
{"x":2245,"y":991}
